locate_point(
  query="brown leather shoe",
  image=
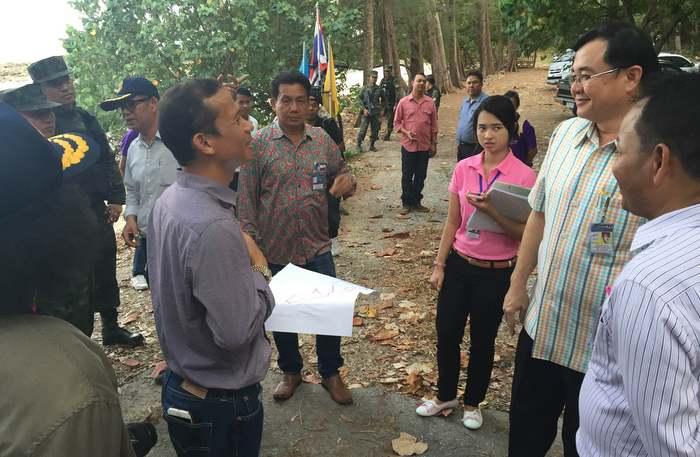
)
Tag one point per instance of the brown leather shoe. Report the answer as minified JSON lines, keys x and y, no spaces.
{"x":336,"y":388}
{"x":286,"y":388}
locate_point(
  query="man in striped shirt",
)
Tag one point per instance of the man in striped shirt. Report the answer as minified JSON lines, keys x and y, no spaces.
{"x":641,"y":394}
{"x":578,"y":236}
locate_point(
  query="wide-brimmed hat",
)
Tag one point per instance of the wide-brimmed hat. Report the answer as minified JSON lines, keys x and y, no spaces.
{"x":48,"y":69}
{"x":27,"y":98}
{"x":131,"y":86}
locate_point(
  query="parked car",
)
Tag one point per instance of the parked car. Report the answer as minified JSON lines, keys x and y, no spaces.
{"x":558,"y":64}
{"x":680,"y":61}
{"x":563,"y":94}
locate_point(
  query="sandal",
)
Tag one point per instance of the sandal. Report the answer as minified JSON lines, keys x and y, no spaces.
{"x":430,"y":407}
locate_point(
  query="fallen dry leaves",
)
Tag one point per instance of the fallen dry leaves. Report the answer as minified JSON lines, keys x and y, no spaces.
{"x":407,"y":444}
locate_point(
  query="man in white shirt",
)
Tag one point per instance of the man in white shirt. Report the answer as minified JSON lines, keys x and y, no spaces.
{"x":641,"y":394}
{"x":150,"y":166}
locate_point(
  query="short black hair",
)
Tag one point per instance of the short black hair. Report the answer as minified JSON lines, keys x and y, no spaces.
{"x":244,"y":91}
{"x":184,"y":113}
{"x":670,"y":116}
{"x":290,"y":78}
{"x":430,"y":79}
{"x":514,"y":96}
{"x":476,"y":73}
{"x":628,"y":45}
{"x":417,"y":74}
{"x":501,"y":107}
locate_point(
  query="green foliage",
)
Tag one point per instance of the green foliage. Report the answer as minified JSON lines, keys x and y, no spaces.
{"x":543,"y":23}
{"x":172,"y":40}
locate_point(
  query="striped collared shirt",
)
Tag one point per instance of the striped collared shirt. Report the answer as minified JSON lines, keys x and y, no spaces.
{"x":575,"y":188}
{"x":641,"y":395}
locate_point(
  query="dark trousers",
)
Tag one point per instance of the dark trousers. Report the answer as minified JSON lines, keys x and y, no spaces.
{"x":541,"y":390}
{"x":465,"y":150}
{"x":333,"y":216}
{"x":140,"y":258}
{"x":327,"y":347}
{"x":227,"y":423}
{"x":373,"y":120}
{"x":414,"y":169}
{"x":475,"y":293}
{"x":106,"y":289}
{"x":389,"y":121}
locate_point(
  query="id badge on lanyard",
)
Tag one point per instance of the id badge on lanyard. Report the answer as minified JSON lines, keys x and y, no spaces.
{"x":319,"y":177}
{"x":600,"y":235}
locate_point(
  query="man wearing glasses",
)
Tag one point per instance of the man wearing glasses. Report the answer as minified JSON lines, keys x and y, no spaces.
{"x":578,"y":236}
{"x":102,"y":183}
{"x":150,"y":166}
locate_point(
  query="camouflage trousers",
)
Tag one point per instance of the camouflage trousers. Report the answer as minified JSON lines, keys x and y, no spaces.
{"x":389,"y":121}
{"x":76,"y":295}
{"x":372,"y":119}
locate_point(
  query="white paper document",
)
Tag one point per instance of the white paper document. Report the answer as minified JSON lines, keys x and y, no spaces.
{"x":309,"y":302}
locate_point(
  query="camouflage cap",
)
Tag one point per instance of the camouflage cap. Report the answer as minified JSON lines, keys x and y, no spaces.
{"x":374,"y":73}
{"x":27,"y":98}
{"x":388,"y":67}
{"x":48,"y":69}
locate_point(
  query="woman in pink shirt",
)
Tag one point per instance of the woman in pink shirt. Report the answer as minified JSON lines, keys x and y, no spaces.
{"x":472,"y":270}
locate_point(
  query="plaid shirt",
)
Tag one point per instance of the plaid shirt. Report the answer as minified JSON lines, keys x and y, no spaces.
{"x":277,"y":203}
{"x":574,"y":181}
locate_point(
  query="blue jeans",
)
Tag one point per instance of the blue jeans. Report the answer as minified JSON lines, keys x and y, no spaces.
{"x":227,"y":423}
{"x":140,"y":257}
{"x":327,"y":347}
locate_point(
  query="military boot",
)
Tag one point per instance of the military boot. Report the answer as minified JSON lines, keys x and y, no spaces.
{"x":371,"y":147}
{"x":113,"y":334}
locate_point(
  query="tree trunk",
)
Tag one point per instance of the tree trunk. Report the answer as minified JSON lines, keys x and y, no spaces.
{"x":486,"y":50}
{"x":512,"y":62}
{"x":368,"y":58}
{"x":416,"y":60}
{"x":456,"y":69}
{"x":390,"y":48}
{"x":437,"y":46}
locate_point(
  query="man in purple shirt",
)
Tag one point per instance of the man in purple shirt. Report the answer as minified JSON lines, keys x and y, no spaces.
{"x":208,"y":279}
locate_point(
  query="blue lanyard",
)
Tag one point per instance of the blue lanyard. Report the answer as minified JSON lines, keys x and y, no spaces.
{"x":488,"y":186}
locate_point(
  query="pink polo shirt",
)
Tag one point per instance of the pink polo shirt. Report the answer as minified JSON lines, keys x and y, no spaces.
{"x":419,"y":116}
{"x":465,"y":179}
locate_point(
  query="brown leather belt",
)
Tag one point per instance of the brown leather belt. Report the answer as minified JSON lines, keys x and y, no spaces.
{"x":491,"y":264}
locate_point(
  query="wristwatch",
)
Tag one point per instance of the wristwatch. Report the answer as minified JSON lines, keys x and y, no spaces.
{"x":263,"y":270}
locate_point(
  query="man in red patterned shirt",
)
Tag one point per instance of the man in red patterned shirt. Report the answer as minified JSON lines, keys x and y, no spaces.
{"x":283,"y":205}
{"x":416,"y":120}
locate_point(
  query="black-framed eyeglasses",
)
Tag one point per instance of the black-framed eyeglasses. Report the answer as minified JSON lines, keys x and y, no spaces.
{"x":583,"y":79}
{"x":130,"y":104}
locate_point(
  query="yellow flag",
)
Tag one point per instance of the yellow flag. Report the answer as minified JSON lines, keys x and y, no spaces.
{"x":330,"y":92}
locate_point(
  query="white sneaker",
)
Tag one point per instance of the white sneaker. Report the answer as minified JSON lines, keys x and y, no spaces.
{"x":139,"y":282}
{"x":431,"y":407}
{"x":473,"y":419}
{"x":335,"y":246}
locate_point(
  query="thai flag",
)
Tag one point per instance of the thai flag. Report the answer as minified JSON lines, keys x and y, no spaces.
{"x":319,"y":58}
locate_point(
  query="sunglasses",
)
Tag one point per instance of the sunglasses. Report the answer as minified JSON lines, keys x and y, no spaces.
{"x":130,"y":104}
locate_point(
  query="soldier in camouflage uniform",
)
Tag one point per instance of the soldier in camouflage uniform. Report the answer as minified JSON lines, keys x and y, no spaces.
{"x":373,"y":102}
{"x":101,"y":183}
{"x":388,"y":85}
